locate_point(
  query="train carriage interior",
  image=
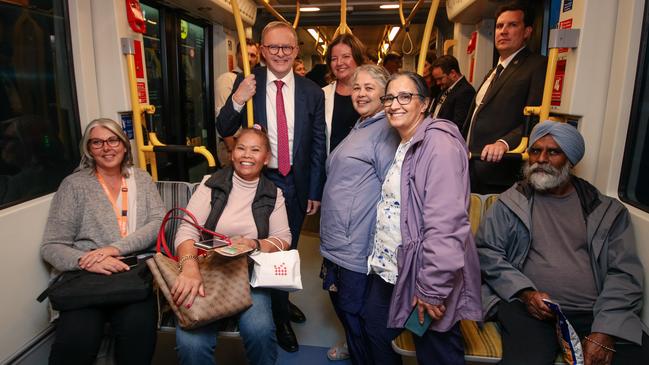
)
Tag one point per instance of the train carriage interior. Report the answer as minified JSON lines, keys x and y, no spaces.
{"x":153,"y":65}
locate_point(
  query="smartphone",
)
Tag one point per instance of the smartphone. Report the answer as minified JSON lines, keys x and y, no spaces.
{"x":130,"y":260}
{"x":413,"y":325}
{"x":233,"y":250}
{"x":211,"y":244}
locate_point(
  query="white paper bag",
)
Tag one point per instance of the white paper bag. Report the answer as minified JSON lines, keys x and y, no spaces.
{"x":277,"y":270}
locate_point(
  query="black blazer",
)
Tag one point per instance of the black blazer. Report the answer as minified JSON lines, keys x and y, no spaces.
{"x":457,"y":103}
{"x":309,"y":146}
{"x":501,"y":114}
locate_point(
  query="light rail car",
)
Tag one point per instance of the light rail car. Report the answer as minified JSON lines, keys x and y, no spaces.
{"x":64,"y":63}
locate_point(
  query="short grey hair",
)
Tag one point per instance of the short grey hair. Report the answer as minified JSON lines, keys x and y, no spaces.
{"x":378,"y":73}
{"x":278,"y":24}
{"x":87,"y":161}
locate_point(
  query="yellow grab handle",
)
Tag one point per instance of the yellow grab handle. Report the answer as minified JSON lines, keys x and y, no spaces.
{"x":427,"y":30}
{"x":244,"y":55}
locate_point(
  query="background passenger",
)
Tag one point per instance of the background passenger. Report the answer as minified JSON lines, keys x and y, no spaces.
{"x":344,"y":54}
{"x":457,"y":94}
{"x":392,"y":62}
{"x":298,"y":67}
{"x":297,"y":141}
{"x":437,"y":270}
{"x":223,"y":89}
{"x":240,"y":186}
{"x":355,"y":172}
{"x":495,"y":122}
{"x":555,"y":236}
{"x":83,"y":232}
{"x":428,"y":76}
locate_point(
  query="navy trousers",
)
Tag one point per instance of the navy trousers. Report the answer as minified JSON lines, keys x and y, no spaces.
{"x":296,"y":215}
{"x":348,"y":300}
{"x":434,"y":348}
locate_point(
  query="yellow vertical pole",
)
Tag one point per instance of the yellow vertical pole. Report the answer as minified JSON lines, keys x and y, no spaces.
{"x":553,"y":56}
{"x":427,"y":30}
{"x":128,"y":50}
{"x":244,"y":54}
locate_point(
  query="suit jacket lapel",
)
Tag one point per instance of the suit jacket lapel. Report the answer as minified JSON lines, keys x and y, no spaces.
{"x":300,"y":115}
{"x":506,"y":74}
{"x":259,"y":100}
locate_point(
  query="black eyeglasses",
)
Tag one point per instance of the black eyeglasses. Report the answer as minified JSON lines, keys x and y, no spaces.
{"x":97,"y":143}
{"x":402,"y":98}
{"x":274,"y":49}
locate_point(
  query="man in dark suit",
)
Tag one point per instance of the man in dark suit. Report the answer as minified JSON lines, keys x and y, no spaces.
{"x":291,"y":108}
{"x":457,"y":94}
{"x":496,"y":122}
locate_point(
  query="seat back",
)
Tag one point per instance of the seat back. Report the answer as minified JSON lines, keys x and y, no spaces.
{"x":174,"y":194}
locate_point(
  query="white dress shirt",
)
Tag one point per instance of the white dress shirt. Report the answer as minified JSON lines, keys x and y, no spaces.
{"x":288,"y":91}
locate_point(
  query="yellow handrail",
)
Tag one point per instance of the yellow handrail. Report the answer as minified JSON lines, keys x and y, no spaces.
{"x":296,"y":21}
{"x":271,"y":10}
{"x":427,"y":30}
{"x":343,"y":27}
{"x":244,"y":54}
{"x":448,"y":44}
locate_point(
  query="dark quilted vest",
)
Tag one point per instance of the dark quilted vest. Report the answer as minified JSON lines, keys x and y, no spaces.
{"x":262,"y":205}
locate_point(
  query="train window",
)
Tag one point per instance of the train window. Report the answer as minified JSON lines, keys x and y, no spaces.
{"x":634,"y":180}
{"x":39,"y":123}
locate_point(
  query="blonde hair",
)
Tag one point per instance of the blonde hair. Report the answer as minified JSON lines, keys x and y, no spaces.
{"x":87,"y":161}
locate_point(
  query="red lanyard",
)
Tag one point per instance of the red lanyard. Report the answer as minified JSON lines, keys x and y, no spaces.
{"x":122,"y":216}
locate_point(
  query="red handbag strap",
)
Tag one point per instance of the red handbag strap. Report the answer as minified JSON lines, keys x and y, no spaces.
{"x":161,"y":243}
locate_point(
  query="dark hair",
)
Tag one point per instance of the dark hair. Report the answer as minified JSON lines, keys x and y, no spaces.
{"x":420,"y":85}
{"x":528,"y":13}
{"x":431,"y":57}
{"x":447,"y":63}
{"x":392,"y":56}
{"x":257,"y":130}
{"x":357,"y":47}
{"x":249,"y":42}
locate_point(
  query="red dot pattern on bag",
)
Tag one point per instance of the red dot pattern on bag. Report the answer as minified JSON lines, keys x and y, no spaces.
{"x":281,"y":270}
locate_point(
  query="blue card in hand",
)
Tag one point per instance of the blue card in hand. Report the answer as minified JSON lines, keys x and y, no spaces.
{"x":413,"y":325}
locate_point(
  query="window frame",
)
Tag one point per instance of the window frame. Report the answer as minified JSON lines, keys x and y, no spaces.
{"x":635,"y":123}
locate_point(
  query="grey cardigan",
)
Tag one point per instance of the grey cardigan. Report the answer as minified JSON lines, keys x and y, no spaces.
{"x":504,"y":240}
{"x":81,"y":219}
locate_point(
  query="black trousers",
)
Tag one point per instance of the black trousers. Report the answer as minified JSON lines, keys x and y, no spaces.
{"x":79,"y":333}
{"x":296,"y":213}
{"x":527,"y":340}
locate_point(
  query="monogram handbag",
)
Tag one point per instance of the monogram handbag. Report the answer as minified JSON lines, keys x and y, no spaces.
{"x":277,"y":270}
{"x":225,"y":279}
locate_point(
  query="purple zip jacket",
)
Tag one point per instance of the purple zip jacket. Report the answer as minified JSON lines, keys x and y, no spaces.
{"x":437,"y":260}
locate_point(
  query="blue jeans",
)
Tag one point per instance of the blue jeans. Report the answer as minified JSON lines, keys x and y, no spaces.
{"x":257,"y":329}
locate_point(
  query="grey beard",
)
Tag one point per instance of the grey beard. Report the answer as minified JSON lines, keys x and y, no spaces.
{"x":546,"y":177}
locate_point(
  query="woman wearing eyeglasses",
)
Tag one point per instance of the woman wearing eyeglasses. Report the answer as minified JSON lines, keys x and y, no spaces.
{"x":102,"y":212}
{"x":423,"y":259}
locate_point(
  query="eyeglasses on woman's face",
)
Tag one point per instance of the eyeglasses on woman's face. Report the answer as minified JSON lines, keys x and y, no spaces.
{"x":402,"y":98}
{"x":97,"y":143}
{"x":274,"y":49}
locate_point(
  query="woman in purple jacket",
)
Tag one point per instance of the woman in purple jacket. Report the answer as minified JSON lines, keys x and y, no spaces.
{"x":423,"y":260}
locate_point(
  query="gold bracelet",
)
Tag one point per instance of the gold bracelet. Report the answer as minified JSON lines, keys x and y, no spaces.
{"x":183,"y":259}
{"x":599,"y":344}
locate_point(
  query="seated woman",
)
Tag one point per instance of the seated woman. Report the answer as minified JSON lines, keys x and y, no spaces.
{"x":423,"y":260}
{"x":85,"y":232}
{"x":240,"y":186}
